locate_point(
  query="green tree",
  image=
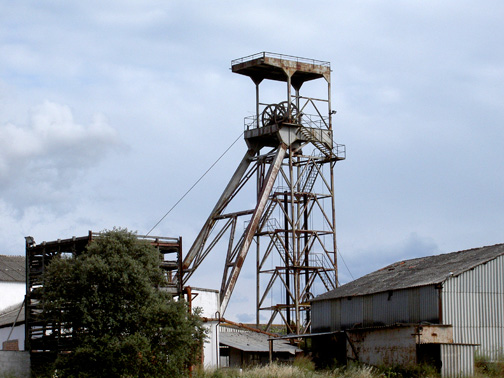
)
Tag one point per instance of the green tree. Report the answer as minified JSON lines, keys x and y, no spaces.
{"x":121,"y":322}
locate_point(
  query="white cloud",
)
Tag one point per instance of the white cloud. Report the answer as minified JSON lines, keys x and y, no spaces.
{"x":379,"y":255}
{"x":42,"y":158}
{"x":418,"y":96}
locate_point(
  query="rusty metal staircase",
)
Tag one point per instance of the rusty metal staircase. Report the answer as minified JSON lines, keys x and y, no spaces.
{"x":309,"y":177}
{"x":310,"y":135}
{"x":320,"y":260}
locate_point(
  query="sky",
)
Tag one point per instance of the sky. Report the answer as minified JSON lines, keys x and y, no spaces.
{"x":111,"y":111}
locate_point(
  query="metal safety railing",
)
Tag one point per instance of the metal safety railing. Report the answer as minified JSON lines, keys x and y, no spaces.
{"x":320,"y":260}
{"x":266,"y":54}
{"x":307,"y":120}
{"x":314,"y":121}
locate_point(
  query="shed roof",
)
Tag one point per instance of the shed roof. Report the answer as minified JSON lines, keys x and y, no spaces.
{"x":12,"y":314}
{"x":12,"y":268}
{"x":254,"y":342}
{"x":417,"y":272}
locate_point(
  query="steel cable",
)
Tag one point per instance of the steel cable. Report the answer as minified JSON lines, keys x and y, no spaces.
{"x":192,"y":187}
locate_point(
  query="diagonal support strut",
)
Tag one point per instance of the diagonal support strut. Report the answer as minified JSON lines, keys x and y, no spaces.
{"x":192,"y":257}
{"x":228,"y":285}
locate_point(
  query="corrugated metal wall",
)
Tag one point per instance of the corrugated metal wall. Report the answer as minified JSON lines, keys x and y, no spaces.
{"x":401,"y":306}
{"x":351,"y":311}
{"x":321,"y":316}
{"x":474,"y":304}
{"x":335,"y":315}
{"x":457,"y":361}
{"x":391,"y":307}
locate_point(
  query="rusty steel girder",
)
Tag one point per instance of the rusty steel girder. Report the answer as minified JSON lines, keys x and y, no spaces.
{"x":297,"y":253}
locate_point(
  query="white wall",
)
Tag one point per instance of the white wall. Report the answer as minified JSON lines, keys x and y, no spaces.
{"x":11,"y":293}
{"x":208,"y":301}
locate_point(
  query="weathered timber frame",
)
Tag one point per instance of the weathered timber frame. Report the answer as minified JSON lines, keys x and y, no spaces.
{"x":44,"y":339}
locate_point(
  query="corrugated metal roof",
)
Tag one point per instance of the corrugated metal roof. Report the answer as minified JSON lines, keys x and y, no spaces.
{"x":254,"y":342}
{"x":8,"y":316}
{"x":12,"y":268}
{"x":417,"y":272}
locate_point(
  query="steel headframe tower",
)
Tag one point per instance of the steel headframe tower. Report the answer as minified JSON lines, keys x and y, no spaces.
{"x":293,"y":222}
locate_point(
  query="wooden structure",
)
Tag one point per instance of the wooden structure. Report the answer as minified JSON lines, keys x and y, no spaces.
{"x":43,"y":339}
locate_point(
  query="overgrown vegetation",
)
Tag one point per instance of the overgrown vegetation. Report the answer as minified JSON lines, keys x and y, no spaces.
{"x":486,"y":367}
{"x":303,"y":369}
{"x":122,"y":325}
{"x":416,"y":371}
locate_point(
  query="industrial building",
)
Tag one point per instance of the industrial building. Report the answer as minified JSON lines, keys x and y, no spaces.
{"x":437,"y":309}
{"x":12,"y":287}
{"x":13,"y":359}
{"x":240,"y":347}
{"x":12,"y":280}
{"x":12,"y":325}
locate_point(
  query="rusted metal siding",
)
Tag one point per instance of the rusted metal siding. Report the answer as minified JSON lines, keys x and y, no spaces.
{"x":397,"y":345}
{"x":367,"y":311}
{"x":429,"y":304}
{"x":457,"y":360}
{"x":335,"y":315}
{"x":391,"y":307}
{"x":321,"y":316}
{"x":406,"y":306}
{"x":401,"y":306}
{"x":414,"y":305}
{"x":351,"y":312}
{"x":473,"y":303}
{"x":386,"y":346}
{"x":434,"y":334}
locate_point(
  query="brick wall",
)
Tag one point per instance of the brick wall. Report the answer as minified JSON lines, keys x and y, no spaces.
{"x":10,"y":345}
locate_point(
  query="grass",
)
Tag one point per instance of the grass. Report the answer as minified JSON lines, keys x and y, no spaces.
{"x":303,"y":369}
{"x":486,"y":367}
{"x":300,"y":369}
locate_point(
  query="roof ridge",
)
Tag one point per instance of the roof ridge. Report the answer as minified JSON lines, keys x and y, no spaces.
{"x":439,"y":255}
{"x":12,"y":308}
{"x":417,"y":272}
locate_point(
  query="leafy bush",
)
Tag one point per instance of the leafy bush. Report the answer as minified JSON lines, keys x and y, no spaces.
{"x":121,"y":324}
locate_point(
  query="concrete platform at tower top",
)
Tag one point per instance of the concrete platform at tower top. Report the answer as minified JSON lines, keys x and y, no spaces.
{"x":272,"y":66}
